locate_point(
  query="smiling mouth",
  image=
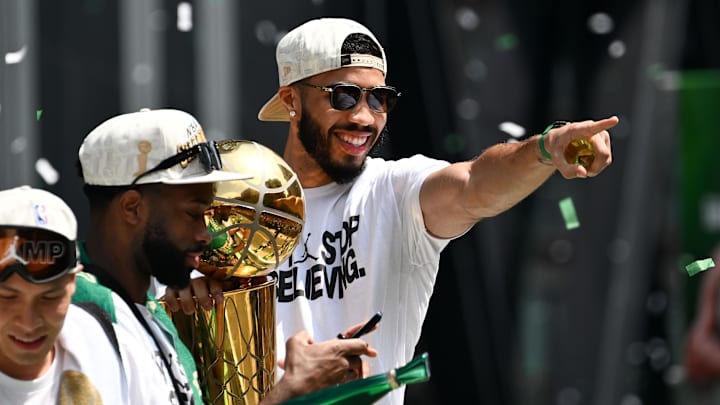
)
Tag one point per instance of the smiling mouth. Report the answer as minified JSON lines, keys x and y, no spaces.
{"x":354,"y":140}
{"x":28,"y":343}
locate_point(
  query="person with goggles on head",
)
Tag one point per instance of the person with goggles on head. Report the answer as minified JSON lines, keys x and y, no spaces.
{"x":50,"y":351}
{"x":375,"y":228}
{"x":149,"y":178}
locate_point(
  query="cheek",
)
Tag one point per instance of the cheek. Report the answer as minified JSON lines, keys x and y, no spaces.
{"x":185,"y":227}
{"x":54,"y":321}
{"x":55,"y":311}
{"x":8,"y":308}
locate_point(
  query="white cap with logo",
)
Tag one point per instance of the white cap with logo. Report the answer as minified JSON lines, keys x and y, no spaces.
{"x":29,"y":207}
{"x":122,"y":149}
{"x":316,"y":47}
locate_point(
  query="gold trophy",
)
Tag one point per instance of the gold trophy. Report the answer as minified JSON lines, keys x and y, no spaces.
{"x":256,"y":224}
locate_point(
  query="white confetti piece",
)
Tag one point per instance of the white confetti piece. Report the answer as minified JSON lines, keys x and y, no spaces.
{"x":184,"y":17}
{"x":600,"y":23}
{"x":12,"y":58}
{"x":47,"y":171}
{"x":512,"y":129}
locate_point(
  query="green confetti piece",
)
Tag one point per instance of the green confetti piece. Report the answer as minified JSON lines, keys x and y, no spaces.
{"x":568,"y":212}
{"x":699,"y":265}
{"x":454,"y":143}
{"x":38,"y":113}
{"x":506,"y":42}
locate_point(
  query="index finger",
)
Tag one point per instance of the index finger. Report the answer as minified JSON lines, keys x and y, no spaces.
{"x":355,"y":347}
{"x":587,"y":129}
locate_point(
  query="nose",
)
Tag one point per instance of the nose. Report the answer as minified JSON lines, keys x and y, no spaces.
{"x":361,"y":112}
{"x":203,"y":234}
{"x":29,"y":318}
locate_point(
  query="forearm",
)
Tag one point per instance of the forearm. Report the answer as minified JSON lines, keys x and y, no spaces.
{"x":504,"y":175}
{"x":457,"y":197}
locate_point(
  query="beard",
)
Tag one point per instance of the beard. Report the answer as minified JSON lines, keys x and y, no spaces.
{"x":167,"y":262}
{"x":318,"y":147}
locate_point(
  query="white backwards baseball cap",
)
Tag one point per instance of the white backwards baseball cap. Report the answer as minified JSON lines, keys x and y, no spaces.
{"x":151,"y":146}
{"x":29,"y":207}
{"x":313,"y":48}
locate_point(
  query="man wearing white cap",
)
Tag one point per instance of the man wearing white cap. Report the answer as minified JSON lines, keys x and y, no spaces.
{"x":149,"y":179}
{"x":51,"y":352}
{"x":374,"y":229}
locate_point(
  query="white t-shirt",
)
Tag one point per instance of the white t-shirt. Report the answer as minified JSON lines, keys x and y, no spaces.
{"x":149,"y":381}
{"x":83,"y":346}
{"x":364,"y":249}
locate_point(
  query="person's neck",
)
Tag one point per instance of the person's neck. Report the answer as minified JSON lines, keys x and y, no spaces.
{"x":113,"y":255}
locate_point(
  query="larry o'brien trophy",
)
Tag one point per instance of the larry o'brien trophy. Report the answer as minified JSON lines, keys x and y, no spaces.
{"x":256,"y":224}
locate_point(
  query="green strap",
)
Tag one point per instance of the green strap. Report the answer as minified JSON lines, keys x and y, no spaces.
{"x":184,"y":355}
{"x":541,"y":141}
{"x":88,"y":289}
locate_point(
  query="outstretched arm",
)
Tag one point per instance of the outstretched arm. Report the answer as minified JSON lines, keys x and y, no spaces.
{"x":458,"y":196}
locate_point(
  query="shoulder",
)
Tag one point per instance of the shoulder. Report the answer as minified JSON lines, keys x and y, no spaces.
{"x":413,"y":165}
{"x":91,"y":320}
{"x":88,"y":350}
{"x":88,"y":289}
{"x":85,"y":338}
{"x":404,"y":176}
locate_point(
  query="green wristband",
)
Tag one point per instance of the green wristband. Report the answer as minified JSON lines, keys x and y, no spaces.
{"x":541,"y":141}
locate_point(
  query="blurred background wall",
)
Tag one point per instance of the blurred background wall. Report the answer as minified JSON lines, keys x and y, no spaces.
{"x":525,"y":311}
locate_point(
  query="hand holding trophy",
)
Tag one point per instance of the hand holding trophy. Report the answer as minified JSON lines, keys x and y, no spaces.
{"x":255,"y":224}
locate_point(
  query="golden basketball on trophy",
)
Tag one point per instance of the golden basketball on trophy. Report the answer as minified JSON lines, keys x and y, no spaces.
{"x":255,"y":224}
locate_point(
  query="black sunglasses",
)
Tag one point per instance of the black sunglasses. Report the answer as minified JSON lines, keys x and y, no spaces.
{"x":209,"y":159}
{"x":38,"y":255}
{"x":344,"y":96}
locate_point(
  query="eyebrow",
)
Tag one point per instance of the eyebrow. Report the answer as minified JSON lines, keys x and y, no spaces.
{"x":6,"y":288}
{"x":52,"y":289}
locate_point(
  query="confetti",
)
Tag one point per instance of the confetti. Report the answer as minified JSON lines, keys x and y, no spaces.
{"x":568,"y":212}
{"x":454,"y":143}
{"x":513,"y":129}
{"x":18,"y":145}
{"x":38,"y":113}
{"x":12,"y":58}
{"x":506,"y":42}
{"x":184,"y":17}
{"x":699,"y":265}
{"x":600,"y":23}
{"x":47,"y":171}
{"x":616,"y":49}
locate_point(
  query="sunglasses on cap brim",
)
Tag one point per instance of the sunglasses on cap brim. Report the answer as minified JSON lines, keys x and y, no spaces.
{"x":37,"y":255}
{"x":344,"y":96}
{"x":207,"y":153}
